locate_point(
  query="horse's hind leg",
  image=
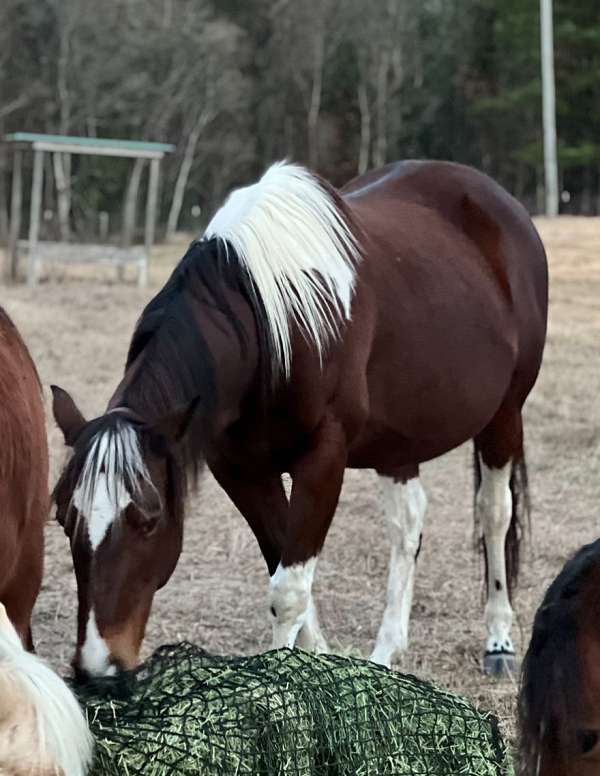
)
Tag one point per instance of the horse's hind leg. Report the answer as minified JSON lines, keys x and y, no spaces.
{"x":405,"y":503}
{"x":20,"y":594}
{"x":500,"y":481}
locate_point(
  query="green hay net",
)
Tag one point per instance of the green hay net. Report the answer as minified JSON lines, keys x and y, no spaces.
{"x":286,"y":713}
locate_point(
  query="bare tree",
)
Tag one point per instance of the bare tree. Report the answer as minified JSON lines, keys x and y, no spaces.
{"x":205,"y":115}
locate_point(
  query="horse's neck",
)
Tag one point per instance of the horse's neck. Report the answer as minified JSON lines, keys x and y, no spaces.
{"x":235,"y":367}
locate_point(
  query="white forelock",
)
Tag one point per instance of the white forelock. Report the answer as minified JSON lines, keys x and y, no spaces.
{"x":112,"y":474}
{"x":298,"y":248}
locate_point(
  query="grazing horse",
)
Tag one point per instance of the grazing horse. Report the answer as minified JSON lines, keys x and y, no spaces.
{"x":559,"y":701}
{"x":42,"y":729}
{"x":24,"y":496}
{"x":311,"y":330}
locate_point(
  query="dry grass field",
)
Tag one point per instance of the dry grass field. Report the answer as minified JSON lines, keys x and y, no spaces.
{"x":78,"y":331}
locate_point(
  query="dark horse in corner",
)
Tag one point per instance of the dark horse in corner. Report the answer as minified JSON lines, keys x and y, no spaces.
{"x":559,"y":701}
{"x":311,"y":330}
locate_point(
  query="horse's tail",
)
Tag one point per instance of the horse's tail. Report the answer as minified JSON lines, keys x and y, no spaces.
{"x":520,"y":519}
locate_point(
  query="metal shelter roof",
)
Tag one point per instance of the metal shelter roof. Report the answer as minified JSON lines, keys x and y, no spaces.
{"x":100,"y":146}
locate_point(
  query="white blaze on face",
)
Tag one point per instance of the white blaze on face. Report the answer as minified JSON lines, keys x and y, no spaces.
{"x":95,"y":655}
{"x":106,"y":506}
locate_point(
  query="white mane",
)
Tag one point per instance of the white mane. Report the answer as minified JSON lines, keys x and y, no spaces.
{"x":50,"y":733}
{"x":298,"y":248}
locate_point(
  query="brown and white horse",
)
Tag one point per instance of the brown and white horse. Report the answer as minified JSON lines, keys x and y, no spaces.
{"x":311,"y":330}
{"x":559,"y":701}
{"x":43,"y":731}
{"x":24,"y":497}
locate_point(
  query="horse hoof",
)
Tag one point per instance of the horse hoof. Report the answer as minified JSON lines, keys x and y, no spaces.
{"x":500,"y":665}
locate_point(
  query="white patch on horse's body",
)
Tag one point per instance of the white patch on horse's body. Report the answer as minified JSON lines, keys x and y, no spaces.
{"x":290,"y":601}
{"x":299,"y":250}
{"x":101,"y":494}
{"x":48,"y":729}
{"x":405,"y":505}
{"x":494,"y":507}
{"x":105,"y":508}
{"x":95,"y":654}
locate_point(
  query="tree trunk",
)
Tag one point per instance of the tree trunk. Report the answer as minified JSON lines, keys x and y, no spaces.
{"x":315,"y":99}
{"x":62,"y":162}
{"x":203,"y":119}
{"x":3,"y":190}
{"x":365,"y":127}
{"x":16,"y":210}
{"x":520,"y":181}
{"x":130,"y":203}
{"x":586,"y":194}
{"x":62,"y":177}
{"x":380,"y":152}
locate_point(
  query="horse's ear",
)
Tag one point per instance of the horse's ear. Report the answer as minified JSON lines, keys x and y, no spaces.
{"x":66,"y":414}
{"x":173,"y":426}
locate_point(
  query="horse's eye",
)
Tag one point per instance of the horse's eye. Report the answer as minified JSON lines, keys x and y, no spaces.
{"x":142,"y":521}
{"x":587,"y":741}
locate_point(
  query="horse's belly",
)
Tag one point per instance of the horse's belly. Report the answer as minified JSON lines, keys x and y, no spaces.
{"x":435,"y":378}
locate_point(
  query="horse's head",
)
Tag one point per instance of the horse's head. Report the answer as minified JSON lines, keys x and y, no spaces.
{"x":559,"y":702}
{"x":120,"y":502}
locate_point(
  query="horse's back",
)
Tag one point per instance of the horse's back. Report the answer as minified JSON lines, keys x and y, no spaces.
{"x":24,"y":497}
{"x":424,"y":201}
{"x":457,"y":276}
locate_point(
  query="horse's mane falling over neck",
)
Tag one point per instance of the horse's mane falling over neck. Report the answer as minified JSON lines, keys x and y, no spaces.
{"x":296,"y":240}
{"x":289,"y":245}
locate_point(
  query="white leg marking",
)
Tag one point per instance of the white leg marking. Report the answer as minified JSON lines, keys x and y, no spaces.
{"x":494,"y":505}
{"x":104,"y":508}
{"x":290,"y":599}
{"x":95,"y":655}
{"x":311,"y":637}
{"x":405,"y":505}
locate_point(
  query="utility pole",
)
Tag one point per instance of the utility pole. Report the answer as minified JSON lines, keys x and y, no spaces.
{"x":549,"y":108}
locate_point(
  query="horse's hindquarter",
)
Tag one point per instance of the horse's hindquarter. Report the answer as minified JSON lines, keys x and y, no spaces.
{"x":454,"y":299}
{"x":24,"y":498}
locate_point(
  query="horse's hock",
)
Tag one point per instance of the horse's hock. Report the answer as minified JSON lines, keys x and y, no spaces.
{"x":285,"y":712}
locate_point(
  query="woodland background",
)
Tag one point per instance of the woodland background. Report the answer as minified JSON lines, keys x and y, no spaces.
{"x":341,"y":85}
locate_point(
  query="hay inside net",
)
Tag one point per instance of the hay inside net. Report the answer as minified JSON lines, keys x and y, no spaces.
{"x":285,"y":713}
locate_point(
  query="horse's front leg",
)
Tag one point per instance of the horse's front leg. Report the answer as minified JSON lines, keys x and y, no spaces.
{"x":317,"y":480}
{"x":264,"y":505}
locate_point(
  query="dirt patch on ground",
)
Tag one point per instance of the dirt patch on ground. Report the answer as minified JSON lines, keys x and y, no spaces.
{"x":78,"y":332}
